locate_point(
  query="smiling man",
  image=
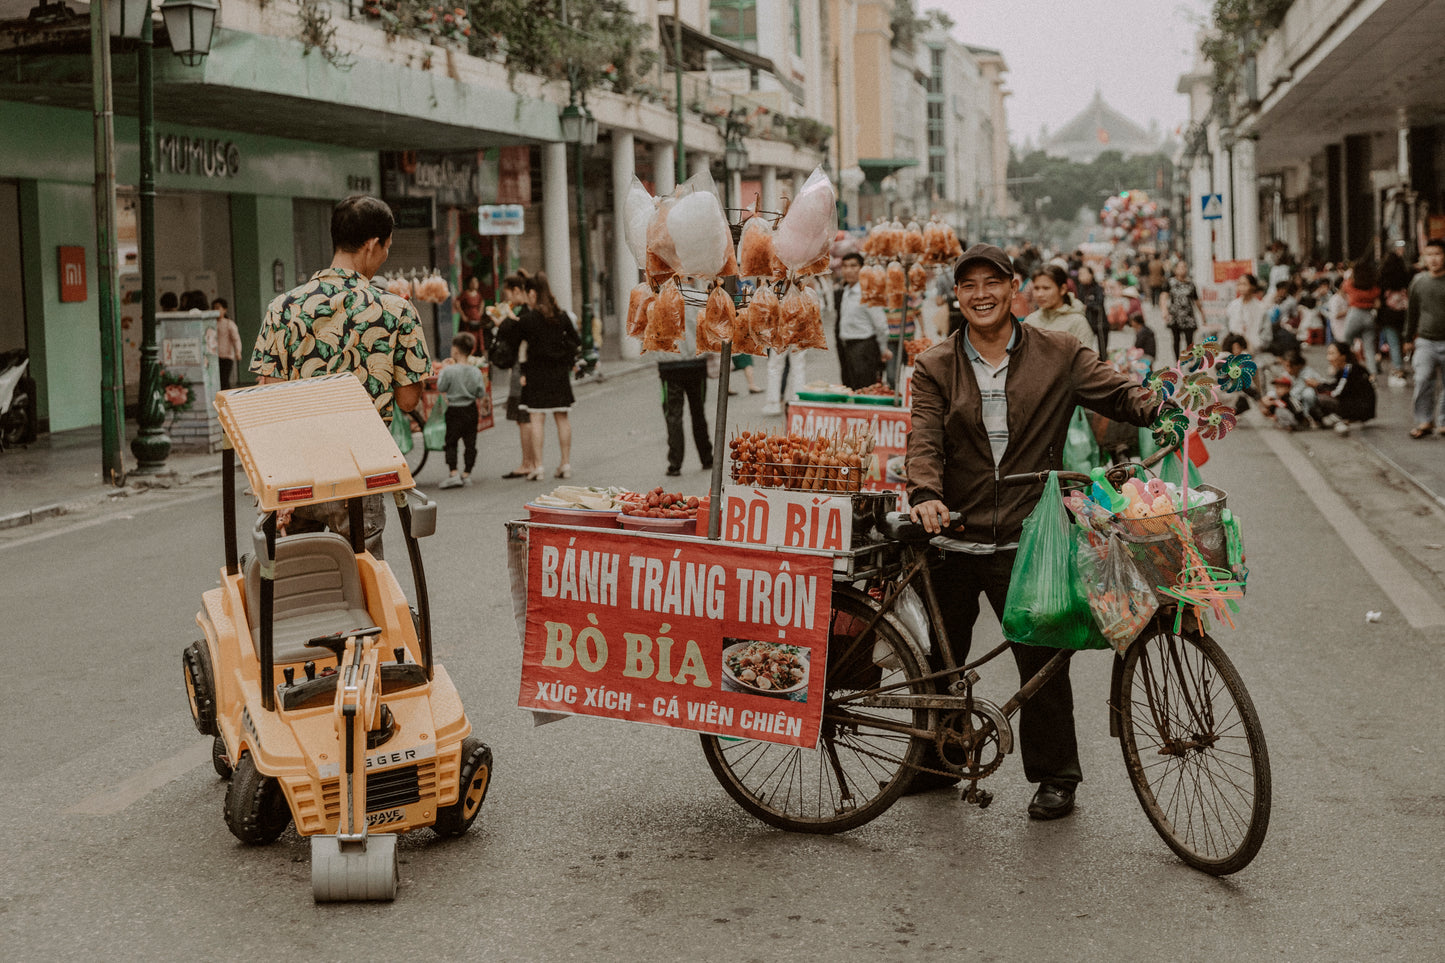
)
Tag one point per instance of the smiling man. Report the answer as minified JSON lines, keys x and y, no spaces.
{"x":995,"y":399}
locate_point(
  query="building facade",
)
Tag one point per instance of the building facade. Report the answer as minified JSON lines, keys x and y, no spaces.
{"x":1329,"y":140}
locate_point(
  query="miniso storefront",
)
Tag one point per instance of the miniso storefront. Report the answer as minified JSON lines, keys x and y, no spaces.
{"x":238,"y":216}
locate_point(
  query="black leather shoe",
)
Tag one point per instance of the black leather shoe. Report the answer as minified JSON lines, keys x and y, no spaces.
{"x":674,"y":472}
{"x":1051,"y":802}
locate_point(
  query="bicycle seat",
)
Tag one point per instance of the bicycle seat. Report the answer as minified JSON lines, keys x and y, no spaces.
{"x":899,"y":527}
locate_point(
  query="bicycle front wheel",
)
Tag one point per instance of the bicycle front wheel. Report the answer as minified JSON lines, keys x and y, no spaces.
{"x":1194,"y":749}
{"x":863,"y":761}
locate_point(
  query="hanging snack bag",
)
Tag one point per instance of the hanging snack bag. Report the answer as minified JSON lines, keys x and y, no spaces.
{"x":717,"y":322}
{"x":755,"y":249}
{"x":763,"y":318}
{"x":918,"y":276}
{"x":665,"y":321}
{"x":896,"y":285}
{"x":637,"y":302}
{"x":872,"y":286}
{"x":913,"y":239}
{"x":638,"y":209}
{"x":808,"y":329}
{"x":808,"y":229}
{"x":662,"y":263}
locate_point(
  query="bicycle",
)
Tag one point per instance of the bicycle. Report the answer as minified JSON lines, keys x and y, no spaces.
{"x":1191,"y":738}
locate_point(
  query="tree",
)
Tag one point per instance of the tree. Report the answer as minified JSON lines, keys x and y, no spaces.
{"x":1065,"y":187}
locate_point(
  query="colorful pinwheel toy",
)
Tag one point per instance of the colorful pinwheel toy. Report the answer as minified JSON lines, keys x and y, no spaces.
{"x":1170,"y":426}
{"x":1216,"y":421}
{"x":1162,"y":384}
{"x":1197,"y":391}
{"x":1236,"y":373}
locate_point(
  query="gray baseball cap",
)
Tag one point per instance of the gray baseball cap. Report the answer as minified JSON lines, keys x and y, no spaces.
{"x":989,"y":253}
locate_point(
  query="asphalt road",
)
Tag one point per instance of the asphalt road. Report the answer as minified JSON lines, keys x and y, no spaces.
{"x":605,"y":841}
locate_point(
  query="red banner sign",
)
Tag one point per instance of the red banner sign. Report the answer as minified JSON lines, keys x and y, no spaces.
{"x":691,"y":634}
{"x":889,"y":425}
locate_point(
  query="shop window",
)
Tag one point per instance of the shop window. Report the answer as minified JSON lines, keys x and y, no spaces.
{"x":311,"y":224}
{"x":735,"y":21}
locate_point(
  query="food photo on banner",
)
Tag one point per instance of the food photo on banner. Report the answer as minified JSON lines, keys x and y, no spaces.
{"x":706,"y":636}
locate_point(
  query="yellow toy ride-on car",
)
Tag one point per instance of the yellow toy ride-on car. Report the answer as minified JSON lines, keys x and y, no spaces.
{"x":364,"y":736}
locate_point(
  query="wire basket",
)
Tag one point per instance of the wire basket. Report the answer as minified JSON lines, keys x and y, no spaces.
{"x":1155,"y":544}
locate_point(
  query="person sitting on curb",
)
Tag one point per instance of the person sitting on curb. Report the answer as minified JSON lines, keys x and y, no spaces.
{"x":1347,"y":396}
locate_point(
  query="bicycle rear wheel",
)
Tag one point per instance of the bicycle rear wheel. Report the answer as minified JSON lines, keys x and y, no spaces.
{"x":1194,"y":749}
{"x":859,"y":767}
{"x":416,"y":458}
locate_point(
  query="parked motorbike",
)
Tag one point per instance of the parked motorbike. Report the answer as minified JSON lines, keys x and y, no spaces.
{"x":18,"y":423}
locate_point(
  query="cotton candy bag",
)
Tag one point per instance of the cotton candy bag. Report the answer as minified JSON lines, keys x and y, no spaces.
{"x":808,"y":229}
{"x":698,"y":228}
{"x":638,"y":209}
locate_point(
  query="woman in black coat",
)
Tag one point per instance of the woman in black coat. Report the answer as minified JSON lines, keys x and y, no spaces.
{"x":1091,"y":294}
{"x":552,"y":345}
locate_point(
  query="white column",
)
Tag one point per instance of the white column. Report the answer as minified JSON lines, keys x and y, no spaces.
{"x":1201,"y":243}
{"x":769,"y":201}
{"x":1246,"y":201}
{"x":735,"y":192}
{"x":556,"y":224}
{"x":697,"y":162}
{"x":664,"y":167}
{"x":624,"y":267}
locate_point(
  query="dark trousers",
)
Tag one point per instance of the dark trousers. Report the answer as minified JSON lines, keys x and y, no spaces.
{"x":1047,"y":742}
{"x":860,"y":361}
{"x":461,"y":427}
{"x":228,"y":367}
{"x":1185,"y":335}
{"x":678,"y":385}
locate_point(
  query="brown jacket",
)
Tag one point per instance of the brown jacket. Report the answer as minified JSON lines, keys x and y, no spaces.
{"x":949,"y":459}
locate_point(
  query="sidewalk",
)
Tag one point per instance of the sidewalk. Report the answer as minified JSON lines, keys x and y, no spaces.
{"x":60,"y":472}
{"x":1387,"y":438}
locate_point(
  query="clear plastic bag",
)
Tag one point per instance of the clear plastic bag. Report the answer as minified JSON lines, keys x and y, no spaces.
{"x":700,"y":234}
{"x":806,"y":232}
{"x":639,"y":208}
{"x":1120,"y":597}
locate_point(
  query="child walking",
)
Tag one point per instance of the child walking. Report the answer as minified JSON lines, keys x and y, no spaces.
{"x":462,"y":383}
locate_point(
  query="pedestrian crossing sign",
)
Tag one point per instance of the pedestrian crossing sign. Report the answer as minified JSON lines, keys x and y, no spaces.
{"x":1213,"y":206}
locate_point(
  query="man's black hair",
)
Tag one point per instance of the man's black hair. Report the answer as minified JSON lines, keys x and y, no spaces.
{"x":358,"y":219}
{"x":1436,"y":242}
{"x":221,"y":302}
{"x":853,"y":256}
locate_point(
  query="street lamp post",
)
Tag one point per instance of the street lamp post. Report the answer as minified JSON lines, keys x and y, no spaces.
{"x":579,"y":128}
{"x":189,"y":24}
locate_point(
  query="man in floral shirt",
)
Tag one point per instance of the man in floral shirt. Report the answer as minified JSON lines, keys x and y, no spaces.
{"x":338,"y":322}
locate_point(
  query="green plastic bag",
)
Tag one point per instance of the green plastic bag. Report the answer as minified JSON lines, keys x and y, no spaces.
{"x":1147,"y":444}
{"x":1081,"y":449}
{"x":401,"y":430}
{"x":434,"y":435}
{"x":1047,"y":603}
{"x":1170,"y":471}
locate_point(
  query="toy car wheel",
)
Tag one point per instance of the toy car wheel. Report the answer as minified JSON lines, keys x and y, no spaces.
{"x":476,"y":776}
{"x":219,"y":758}
{"x":200,"y":687}
{"x":256,"y":808}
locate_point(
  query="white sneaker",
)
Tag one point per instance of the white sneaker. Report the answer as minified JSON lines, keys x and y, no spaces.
{"x":452,"y":481}
{"x":773,"y":409}
{"x":1342,"y":428}
{"x":1332,"y":421}
{"x":1398,"y":381}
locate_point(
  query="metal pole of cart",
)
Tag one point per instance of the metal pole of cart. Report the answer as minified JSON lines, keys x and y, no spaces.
{"x":719,"y":444}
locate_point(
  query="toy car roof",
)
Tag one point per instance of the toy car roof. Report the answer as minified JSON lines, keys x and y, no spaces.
{"x":313,"y":440}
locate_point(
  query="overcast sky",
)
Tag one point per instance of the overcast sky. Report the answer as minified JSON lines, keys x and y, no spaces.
{"x":1058,"y":51}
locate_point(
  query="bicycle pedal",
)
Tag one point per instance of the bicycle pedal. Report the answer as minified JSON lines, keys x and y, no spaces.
{"x":979,"y":797}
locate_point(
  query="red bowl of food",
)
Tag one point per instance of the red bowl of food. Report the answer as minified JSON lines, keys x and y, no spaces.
{"x":669,"y":526}
{"x":584,"y":517}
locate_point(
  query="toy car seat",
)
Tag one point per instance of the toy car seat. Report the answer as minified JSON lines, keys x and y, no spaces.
{"x":317,"y":592}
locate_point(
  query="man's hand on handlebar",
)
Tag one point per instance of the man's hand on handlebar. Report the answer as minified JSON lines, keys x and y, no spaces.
{"x":932,"y":515}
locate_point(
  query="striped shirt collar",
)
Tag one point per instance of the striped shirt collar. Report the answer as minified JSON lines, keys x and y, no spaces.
{"x":974,"y":356}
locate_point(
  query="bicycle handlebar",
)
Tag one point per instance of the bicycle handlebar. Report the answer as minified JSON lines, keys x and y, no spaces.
{"x":1116,"y":474}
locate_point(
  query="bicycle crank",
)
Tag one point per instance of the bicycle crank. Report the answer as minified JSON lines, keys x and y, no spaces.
{"x":973,"y":742}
